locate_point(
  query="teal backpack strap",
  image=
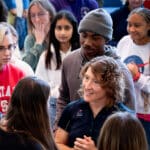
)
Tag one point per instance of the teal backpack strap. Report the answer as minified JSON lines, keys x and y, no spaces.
{"x":120,"y":106}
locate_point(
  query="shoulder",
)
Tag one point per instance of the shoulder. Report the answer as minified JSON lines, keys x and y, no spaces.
{"x":75,"y":105}
{"x":27,"y":142}
{"x":33,"y":145}
{"x":71,"y":109}
{"x":25,"y":66}
{"x":11,"y":140}
{"x":111,"y":52}
{"x":30,"y":38}
{"x":121,"y":107}
{"x":124,"y":40}
{"x":73,"y":56}
{"x":14,"y":70}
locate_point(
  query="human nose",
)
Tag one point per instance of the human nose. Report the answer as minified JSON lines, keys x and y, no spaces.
{"x":63,"y":31}
{"x":87,"y":42}
{"x":35,"y":17}
{"x":7,"y":52}
{"x":131,"y":28}
{"x":88,"y":84}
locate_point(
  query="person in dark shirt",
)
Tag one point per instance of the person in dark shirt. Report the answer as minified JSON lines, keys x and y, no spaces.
{"x":26,"y":124}
{"x":101,"y":90}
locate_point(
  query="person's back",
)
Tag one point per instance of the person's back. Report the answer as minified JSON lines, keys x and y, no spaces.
{"x":122,"y":131}
{"x":26,"y":123}
{"x":18,"y":141}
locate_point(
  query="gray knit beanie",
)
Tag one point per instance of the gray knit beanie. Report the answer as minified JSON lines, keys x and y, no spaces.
{"x":98,"y":21}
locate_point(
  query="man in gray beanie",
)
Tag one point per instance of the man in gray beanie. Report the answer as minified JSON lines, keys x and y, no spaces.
{"x":95,"y":31}
{"x":99,"y":22}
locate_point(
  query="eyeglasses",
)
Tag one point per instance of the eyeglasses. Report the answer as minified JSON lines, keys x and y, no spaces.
{"x":40,"y":15}
{"x":9,"y":47}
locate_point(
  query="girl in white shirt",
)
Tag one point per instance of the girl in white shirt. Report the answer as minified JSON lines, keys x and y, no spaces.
{"x":63,"y":39}
{"x":134,"y":50}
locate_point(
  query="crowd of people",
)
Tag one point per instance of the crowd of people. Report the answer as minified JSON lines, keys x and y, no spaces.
{"x":74,"y":76}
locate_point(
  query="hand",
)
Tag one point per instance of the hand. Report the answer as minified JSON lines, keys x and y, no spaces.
{"x":133,"y":68}
{"x":84,"y":144}
{"x":39,"y":33}
{"x":3,"y":123}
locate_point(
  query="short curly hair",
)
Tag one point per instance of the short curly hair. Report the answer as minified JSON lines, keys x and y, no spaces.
{"x":107,"y":70}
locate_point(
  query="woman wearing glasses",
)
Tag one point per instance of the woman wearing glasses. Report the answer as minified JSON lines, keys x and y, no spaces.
{"x":40,"y":16}
{"x":9,"y":74}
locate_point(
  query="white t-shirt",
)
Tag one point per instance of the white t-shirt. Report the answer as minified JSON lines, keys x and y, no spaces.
{"x":139,"y":54}
{"x":52,"y":76}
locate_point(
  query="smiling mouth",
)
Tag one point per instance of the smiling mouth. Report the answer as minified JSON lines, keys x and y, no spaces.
{"x":134,"y":35}
{"x":88,"y":92}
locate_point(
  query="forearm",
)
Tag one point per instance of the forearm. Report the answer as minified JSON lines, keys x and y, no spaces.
{"x":32,"y":55}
